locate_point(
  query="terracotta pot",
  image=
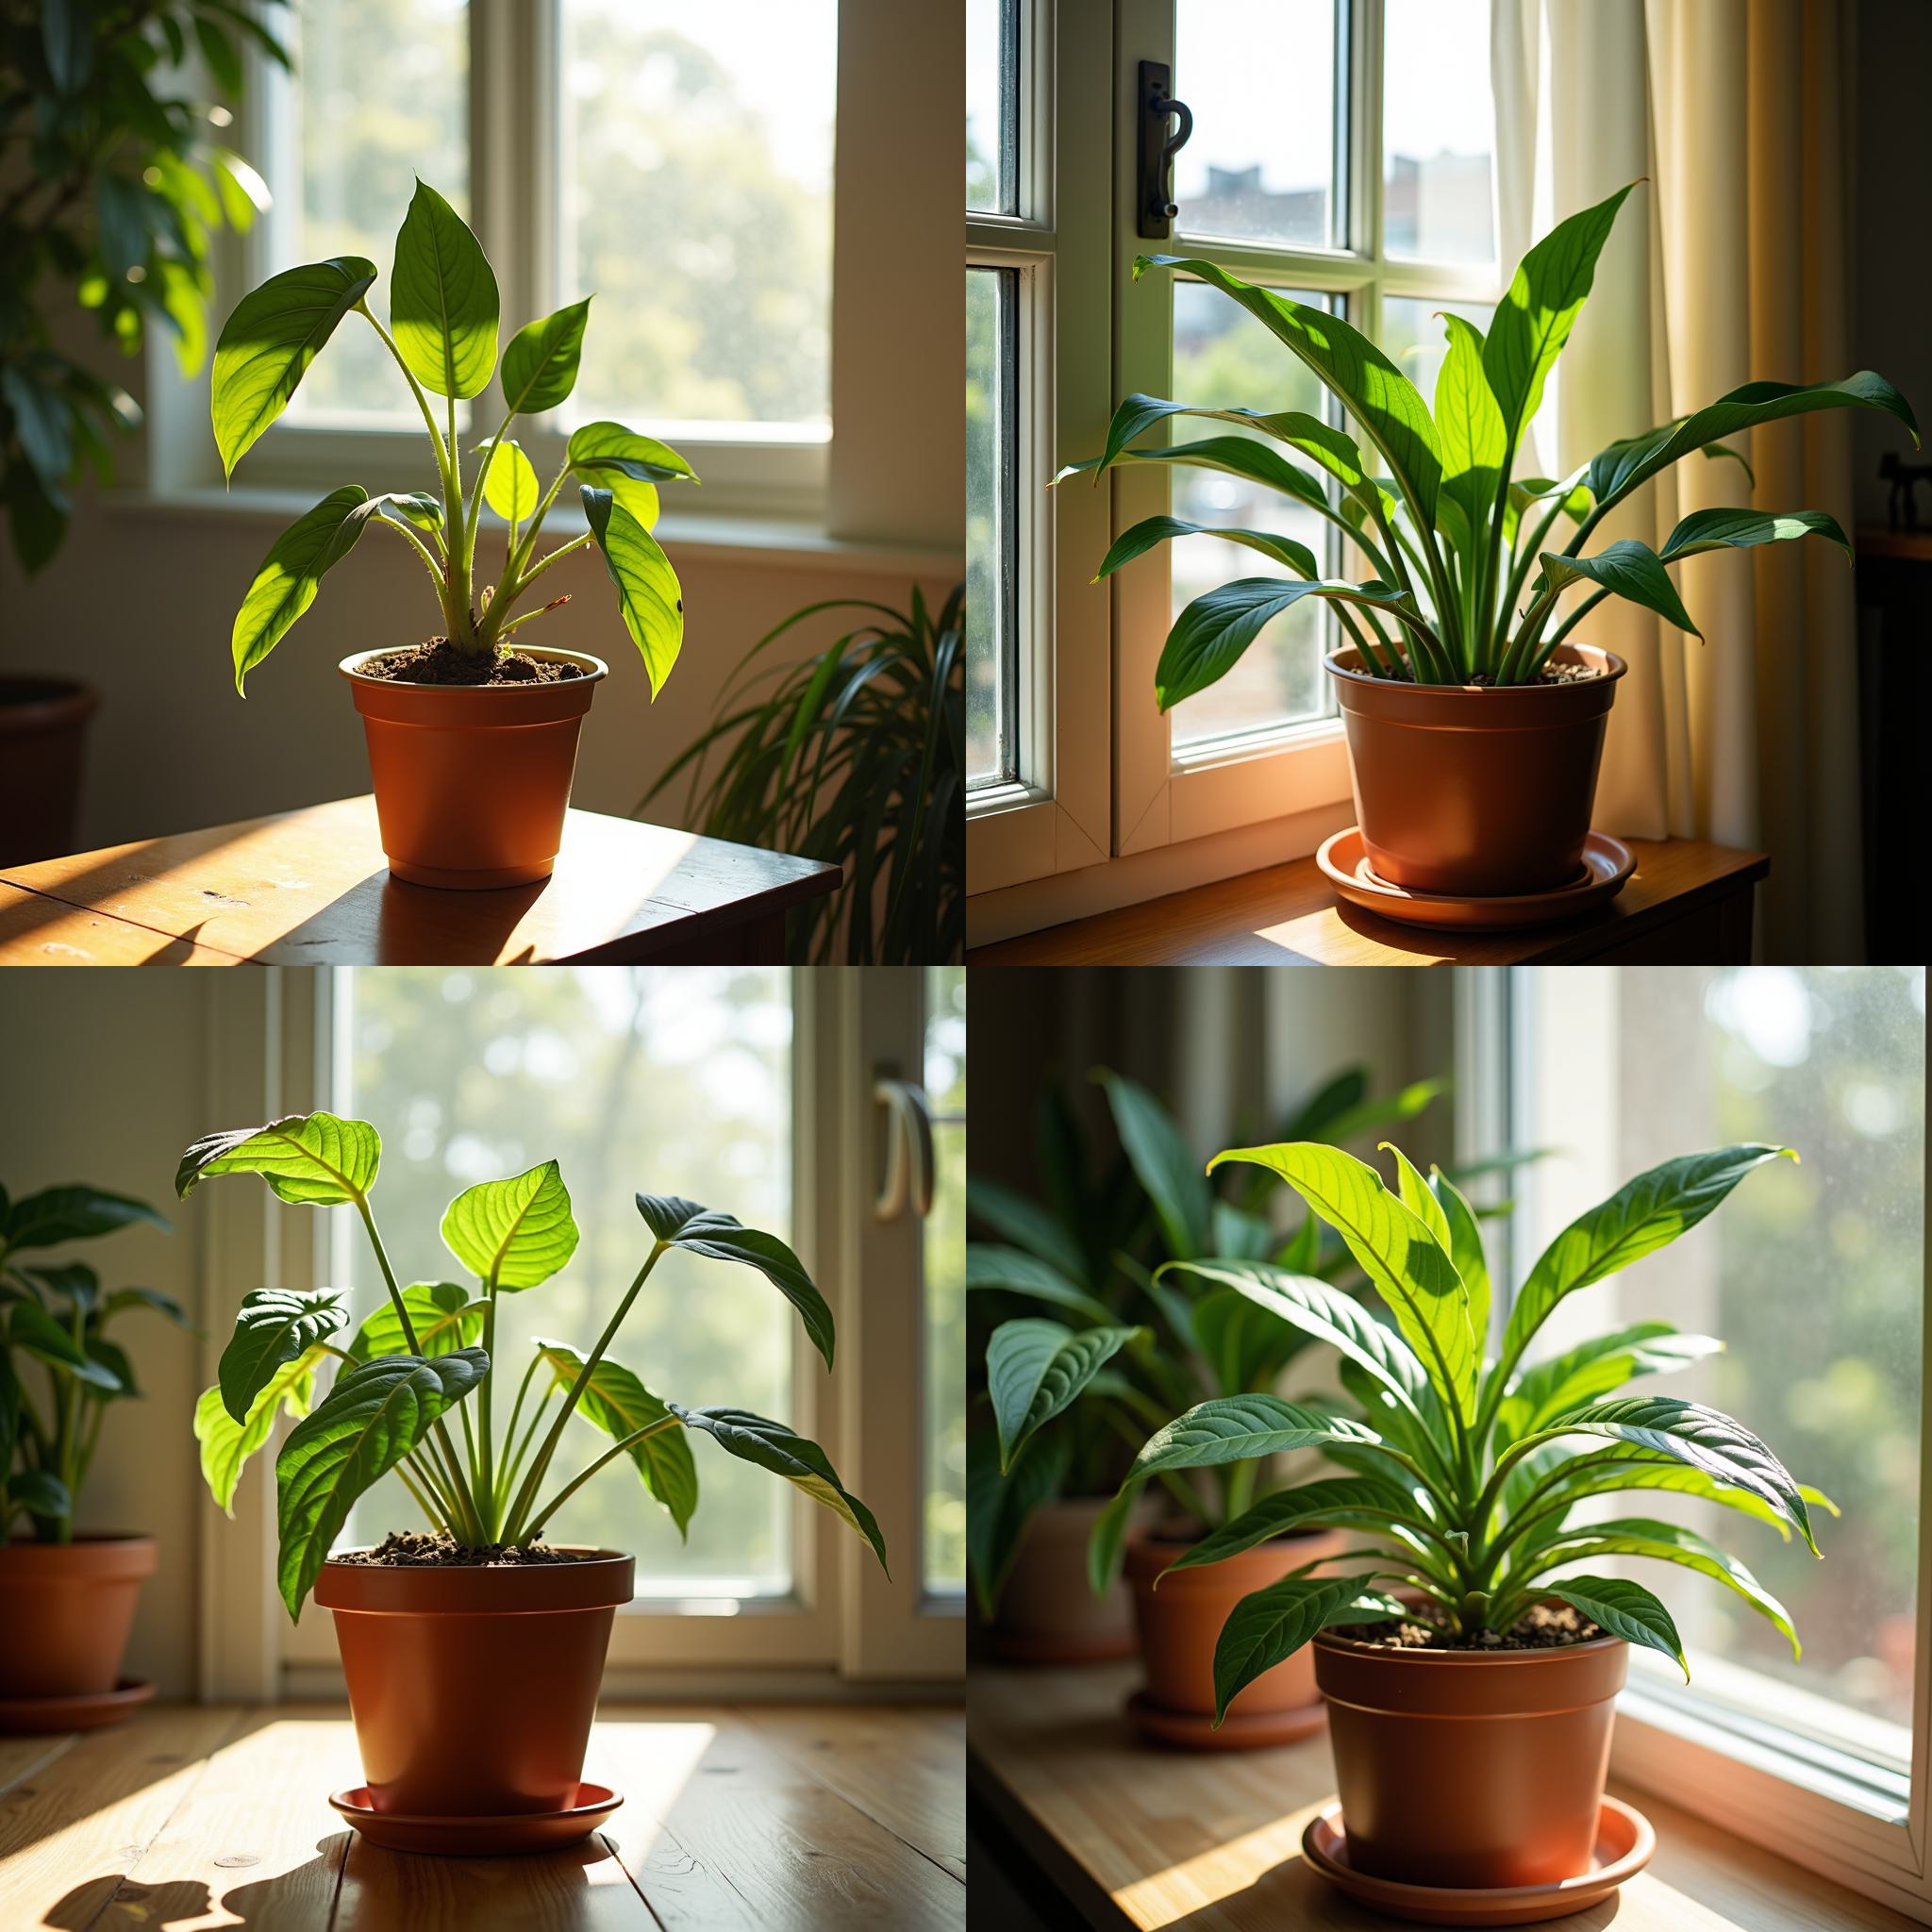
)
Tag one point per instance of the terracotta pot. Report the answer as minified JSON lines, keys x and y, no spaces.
{"x":1471,"y":1768}
{"x":1179,"y":1625}
{"x":1465,"y":789}
{"x":471,"y":782}
{"x":43,"y":737}
{"x":1047,"y":1613}
{"x":66,"y":1609}
{"x":472,"y":1690}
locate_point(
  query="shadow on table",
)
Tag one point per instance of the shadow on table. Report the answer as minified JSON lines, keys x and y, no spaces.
{"x":384,"y":920}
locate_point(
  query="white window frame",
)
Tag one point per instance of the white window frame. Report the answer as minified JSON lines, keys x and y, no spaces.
{"x":1841,"y":1807}
{"x":844,"y":1625}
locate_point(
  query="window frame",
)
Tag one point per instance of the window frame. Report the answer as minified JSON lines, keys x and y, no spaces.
{"x":1827,"y":1807}
{"x":845,"y":1622}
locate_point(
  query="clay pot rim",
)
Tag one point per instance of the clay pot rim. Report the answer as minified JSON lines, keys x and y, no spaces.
{"x":593,"y":668}
{"x":1379,"y":1652}
{"x":47,"y":700}
{"x":1609,"y":665}
{"x":606,"y":1581}
{"x":105,"y":1554}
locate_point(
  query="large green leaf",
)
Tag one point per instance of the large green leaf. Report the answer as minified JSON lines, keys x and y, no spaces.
{"x":773,"y":1446}
{"x":267,"y":344}
{"x":1035,"y":1368}
{"x":1470,"y":426}
{"x":997,"y":1507}
{"x":1244,"y":1346}
{"x":275,"y":1326}
{"x":75,"y":1213}
{"x":1383,"y":401}
{"x":442,"y":302}
{"x":627,"y":464}
{"x":615,"y":1401}
{"x":1466,"y":1251}
{"x":442,"y":1314}
{"x":30,"y":1327}
{"x":647,"y":588}
{"x":1334,"y":1502}
{"x":39,"y":1491}
{"x":1015,"y":1218}
{"x":1146,"y":534}
{"x":315,"y":1160}
{"x":1164,"y":1164}
{"x":1408,"y":1267}
{"x":1594,"y":1368}
{"x":1010,"y":1270}
{"x":372,"y":1417}
{"x":1232,"y":455}
{"x":1611,"y":1472}
{"x":509,"y":480}
{"x":1627,"y":569}
{"x":1739,"y":529}
{"x":1235,"y":1428}
{"x":512,"y":1234}
{"x":1334,"y":450}
{"x":227,"y":1444}
{"x":1274,"y":1624}
{"x":540,"y":367}
{"x":286,"y":584}
{"x":682,"y":1224}
{"x":1624,"y":1609}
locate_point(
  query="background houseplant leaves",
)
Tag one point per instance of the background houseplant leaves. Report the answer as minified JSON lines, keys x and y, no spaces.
{"x":75,"y":1213}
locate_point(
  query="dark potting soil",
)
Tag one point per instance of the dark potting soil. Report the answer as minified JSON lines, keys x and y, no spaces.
{"x":412,"y":1549}
{"x":1547,"y":1627}
{"x":439,"y":661}
{"x":1551,"y":674}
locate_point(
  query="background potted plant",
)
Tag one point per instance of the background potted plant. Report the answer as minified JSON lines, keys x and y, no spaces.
{"x":473,"y":1654}
{"x":67,"y":1600}
{"x":1473,"y":725}
{"x":1471,"y":1710}
{"x":472,"y":741}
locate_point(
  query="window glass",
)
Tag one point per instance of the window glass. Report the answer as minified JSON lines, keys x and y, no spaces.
{"x":992,"y":130}
{"x":1438,"y":132}
{"x":696,"y":189}
{"x":668,"y":1081}
{"x":1414,"y":339}
{"x":1259,"y":75}
{"x":1222,"y":357}
{"x":945,"y":1284}
{"x":991,"y":523}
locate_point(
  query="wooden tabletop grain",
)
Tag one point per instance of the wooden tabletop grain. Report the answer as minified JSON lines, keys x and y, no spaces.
{"x":798,"y":1818}
{"x":310,"y":888}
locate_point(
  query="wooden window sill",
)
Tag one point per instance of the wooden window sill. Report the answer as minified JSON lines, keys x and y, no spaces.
{"x":207,"y":1815}
{"x":1136,"y":1838}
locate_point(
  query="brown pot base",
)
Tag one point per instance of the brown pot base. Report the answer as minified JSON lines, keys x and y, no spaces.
{"x":1251,"y":1731}
{"x":88,"y":1711}
{"x":477,"y":1838}
{"x":1607,"y":862}
{"x":447,"y":880}
{"x":1062,"y":1646}
{"x":1624,"y":1842}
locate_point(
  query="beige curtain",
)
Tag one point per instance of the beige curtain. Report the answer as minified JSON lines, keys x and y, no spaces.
{"x":1727,"y":266}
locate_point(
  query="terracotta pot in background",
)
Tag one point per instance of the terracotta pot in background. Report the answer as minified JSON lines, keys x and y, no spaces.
{"x":471,"y":781}
{"x":66,"y":1609}
{"x":1471,"y":1768}
{"x":1471,"y":790}
{"x":1047,"y":1613}
{"x":472,"y":1690}
{"x":43,"y":739}
{"x":1179,"y":1625}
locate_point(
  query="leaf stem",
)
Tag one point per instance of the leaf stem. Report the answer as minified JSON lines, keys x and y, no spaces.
{"x":540,"y":1517}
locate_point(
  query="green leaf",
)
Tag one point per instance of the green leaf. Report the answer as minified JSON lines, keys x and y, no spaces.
{"x":1009,"y":1271}
{"x":1627,"y":569}
{"x":1106,"y":1540}
{"x":1470,"y":424}
{"x":1337,"y":1501}
{"x":243,"y":191}
{"x":773,"y":1446}
{"x":111,"y":1357}
{"x":442,"y":303}
{"x":1272,"y":1623}
{"x":124,"y":1298}
{"x":1321,"y":442}
{"x":314,"y":1160}
{"x":1624,"y":1609}
{"x":1594,"y":1368}
{"x":75,"y":1213}
{"x":1738,"y":529}
{"x":1236,"y":1428}
{"x":442,"y":1315}
{"x":267,"y":344}
{"x":227,"y":1444}
{"x":512,"y":1234}
{"x":67,"y":40}
{"x":1164,"y":1164}
{"x":509,"y":480}
{"x":1035,"y":1368}
{"x":1614,"y":1471}
{"x":647,"y":588}
{"x":223,"y":57}
{"x":39,"y":1491}
{"x":1145,"y":535}
{"x":615,"y":1401}
{"x":30,"y":1327}
{"x":630,"y":465}
{"x":416,"y":507}
{"x":1534,"y":319}
{"x":1408,"y":1266}
{"x":682,"y":1224}
{"x":1383,"y":401}
{"x":275,"y":1326}
{"x":1232,"y":455}
{"x":1466,"y":1251}
{"x":1015,"y":1218}
{"x":1245,"y":1345}
{"x":1642,"y":1215}
{"x":372,"y":1417}
{"x":997,"y":1507}
{"x":286,"y":584}
{"x":540,"y":367}
{"x":42,"y":424}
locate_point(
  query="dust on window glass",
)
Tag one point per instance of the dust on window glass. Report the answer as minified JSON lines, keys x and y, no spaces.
{"x":1438,"y":132}
{"x":1222,"y":357}
{"x":946,"y":1283}
{"x":664,"y":1080}
{"x":992,"y":563}
{"x":696,"y":206}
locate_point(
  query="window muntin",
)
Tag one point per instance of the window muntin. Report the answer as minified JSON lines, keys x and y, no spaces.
{"x":1438,"y":188}
{"x":945,"y":1260}
{"x":993,"y":564}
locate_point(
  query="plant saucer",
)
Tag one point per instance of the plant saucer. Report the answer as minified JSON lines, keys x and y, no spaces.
{"x":477,"y":1838}
{"x":1193,"y":1730}
{"x":1607,"y":863}
{"x":88,"y":1711}
{"x":1624,"y":1842}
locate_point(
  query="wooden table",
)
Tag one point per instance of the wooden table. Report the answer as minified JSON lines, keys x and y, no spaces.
{"x":311,"y":888}
{"x":1687,"y":902}
{"x":1133,"y":1836}
{"x":791,"y":1818}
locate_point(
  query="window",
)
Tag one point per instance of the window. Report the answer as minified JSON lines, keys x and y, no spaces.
{"x":945,"y":1260}
{"x":991,"y":523}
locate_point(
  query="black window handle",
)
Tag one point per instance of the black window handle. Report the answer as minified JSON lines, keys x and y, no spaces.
{"x":1158,"y":149}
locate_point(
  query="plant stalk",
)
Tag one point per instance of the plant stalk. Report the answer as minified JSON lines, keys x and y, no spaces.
{"x":557,"y":1502}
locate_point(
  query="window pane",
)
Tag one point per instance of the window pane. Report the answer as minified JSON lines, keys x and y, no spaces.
{"x":946,"y":1283}
{"x":1438,"y":132}
{"x":1223,"y":358}
{"x":381,"y":96}
{"x":1414,"y":339}
{"x":993,"y":111}
{"x":991,"y":526}
{"x":696,"y":193}
{"x":1259,"y":76}
{"x":674,"y":1079}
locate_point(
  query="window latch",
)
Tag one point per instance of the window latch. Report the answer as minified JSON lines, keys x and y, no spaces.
{"x":908,"y":1150}
{"x":1158,"y":147}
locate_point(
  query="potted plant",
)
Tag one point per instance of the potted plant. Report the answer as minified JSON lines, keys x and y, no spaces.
{"x":1474,"y":724}
{"x":1470,"y":1709}
{"x":67,"y":1600}
{"x":472,"y":741}
{"x":473,"y":1653}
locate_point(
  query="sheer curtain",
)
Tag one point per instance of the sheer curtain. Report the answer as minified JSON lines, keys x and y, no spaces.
{"x":1729,"y":266}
